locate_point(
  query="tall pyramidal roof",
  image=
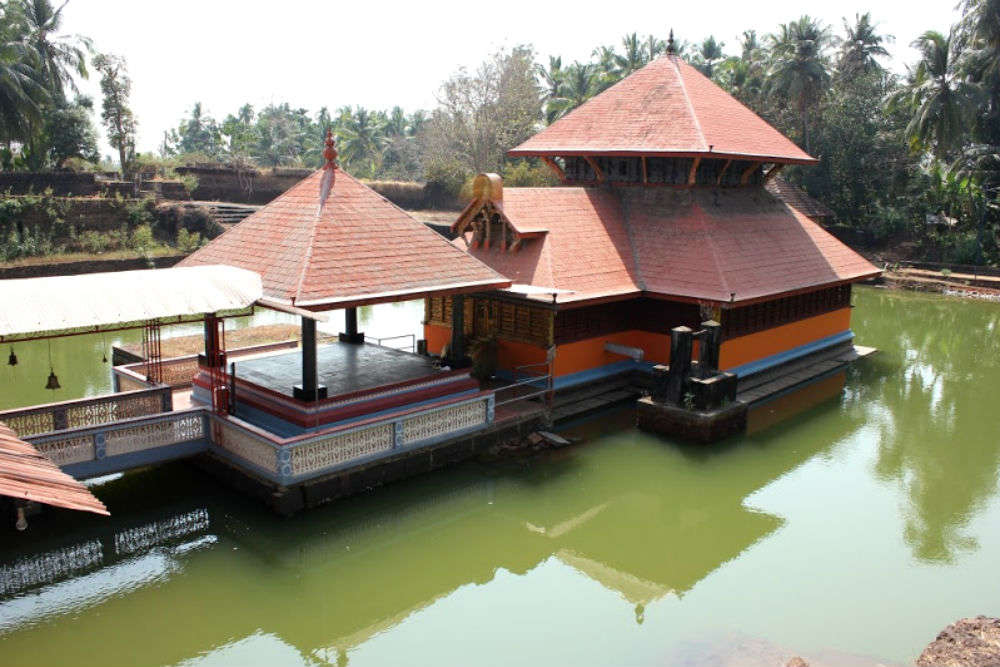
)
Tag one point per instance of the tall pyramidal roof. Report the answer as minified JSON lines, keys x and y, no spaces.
{"x":666,"y":109}
{"x":352,"y":249}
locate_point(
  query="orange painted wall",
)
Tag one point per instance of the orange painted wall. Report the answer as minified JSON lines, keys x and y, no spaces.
{"x":583,"y":355}
{"x":752,"y":347}
{"x":437,"y":337}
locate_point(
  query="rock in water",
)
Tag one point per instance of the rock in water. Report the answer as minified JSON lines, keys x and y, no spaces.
{"x":796,"y":662}
{"x":969,"y":642}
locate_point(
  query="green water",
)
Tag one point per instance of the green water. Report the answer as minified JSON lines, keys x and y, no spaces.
{"x":863,"y":525}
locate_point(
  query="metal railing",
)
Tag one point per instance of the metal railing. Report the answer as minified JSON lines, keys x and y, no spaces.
{"x":533,"y":378}
{"x":412,"y":346}
{"x":86,"y":412}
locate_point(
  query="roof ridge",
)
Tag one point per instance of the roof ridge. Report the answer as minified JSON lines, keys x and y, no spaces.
{"x":309,"y":248}
{"x":687,"y":100}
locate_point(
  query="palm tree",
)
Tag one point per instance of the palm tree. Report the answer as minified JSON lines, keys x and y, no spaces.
{"x":799,"y":70}
{"x":59,"y":56}
{"x":861,"y":46}
{"x":940,"y":99}
{"x":22,"y":94}
{"x":749,"y":46}
{"x":633,"y":57}
{"x":709,"y":52}
{"x":363,"y":141}
{"x":653,"y":47}
{"x":579,"y":85}
{"x":979,"y":34}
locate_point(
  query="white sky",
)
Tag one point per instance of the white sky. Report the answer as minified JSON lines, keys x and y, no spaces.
{"x":314,"y":53}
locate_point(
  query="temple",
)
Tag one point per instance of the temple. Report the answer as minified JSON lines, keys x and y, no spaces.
{"x":662,"y":220}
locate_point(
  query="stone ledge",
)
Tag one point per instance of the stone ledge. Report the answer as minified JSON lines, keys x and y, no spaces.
{"x":691,"y":425}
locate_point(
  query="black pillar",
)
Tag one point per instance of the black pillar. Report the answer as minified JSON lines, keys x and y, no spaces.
{"x":680,"y":362}
{"x":351,"y":335}
{"x":456,"y":351}
{"x":708,"y":350}
{"x":310,"y":389}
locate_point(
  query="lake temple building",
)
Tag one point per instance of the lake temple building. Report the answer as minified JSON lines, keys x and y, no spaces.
{"x":662,"y":220}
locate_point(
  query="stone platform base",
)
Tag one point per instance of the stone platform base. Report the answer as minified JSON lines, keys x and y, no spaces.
{"x":694,"y":426}
{"x":292,"y":499}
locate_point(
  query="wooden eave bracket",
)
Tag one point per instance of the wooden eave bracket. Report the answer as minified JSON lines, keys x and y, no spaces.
{"x":772,"y":172}
{"x":745,"y":177}
{"x":554,"y":167}
{"x":725,"y":168}
{"x":597,"y":170}
{"x":694,"y":170}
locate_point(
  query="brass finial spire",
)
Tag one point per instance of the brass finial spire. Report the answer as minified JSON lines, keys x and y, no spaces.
{"x":671,"y":47}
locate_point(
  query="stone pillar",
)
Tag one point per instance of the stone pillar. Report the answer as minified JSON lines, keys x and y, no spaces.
{"x":681,"y":339}
{"x":456,"y":353}
{"x":708,"y":351}
{"x":350,"y":334}
{"x":310,"y":389}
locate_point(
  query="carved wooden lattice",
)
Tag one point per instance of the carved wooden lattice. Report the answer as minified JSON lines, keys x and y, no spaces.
{"x":443,"y":422}
{"x":341,"y":448}
{"x":94,"y":414}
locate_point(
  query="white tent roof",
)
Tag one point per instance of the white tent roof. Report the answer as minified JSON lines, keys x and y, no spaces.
{"x":94,"y":300}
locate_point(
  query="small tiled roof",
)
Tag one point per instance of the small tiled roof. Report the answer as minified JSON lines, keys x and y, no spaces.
{"x":797,"y":198}
{"x":359,"y":248}
{"x":667,"y":108}
{"x":733,"y":245}
{"x":25,"y":474}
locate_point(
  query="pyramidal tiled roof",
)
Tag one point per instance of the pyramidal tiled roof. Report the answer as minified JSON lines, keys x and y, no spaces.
{"x":734,"y":245}
{"x":359,"y":248}
{"x":667,"y":108}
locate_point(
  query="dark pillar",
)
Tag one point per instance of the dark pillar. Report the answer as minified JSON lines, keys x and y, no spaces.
{"x":310,"y":389}
{"x":708,"y":351}
{"x":456,"y":351}
{"x":210,"y":358}
{"x":351,"y":335}
{"x":680,"y":363}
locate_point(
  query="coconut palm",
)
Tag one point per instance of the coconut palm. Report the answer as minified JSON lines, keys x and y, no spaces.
{"x":59,"y":56}
{"x":941,"y":101}
{"x":800,"y":71}
{"x":979,"y":34}
{"x":653,"y":47}
{"x":580,"y":83}
{"x":633,"y":56}
{"x":362,"y":141}
{"x":708,"y":54}
{"x":862,"y":46}
{"x":22,"y":93}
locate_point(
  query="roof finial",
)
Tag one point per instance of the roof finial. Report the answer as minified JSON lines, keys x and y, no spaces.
{"x":671,"y":47}
{"x":329,"y":169}
{"x":330,"y":152}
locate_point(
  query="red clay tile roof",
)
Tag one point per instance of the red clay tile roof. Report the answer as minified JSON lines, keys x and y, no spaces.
{"x":692,"y":244}
{"x":27,"y":475}
{"x":798,"y":199}
{"x":666,"y":108}
{"x":360,"y":249}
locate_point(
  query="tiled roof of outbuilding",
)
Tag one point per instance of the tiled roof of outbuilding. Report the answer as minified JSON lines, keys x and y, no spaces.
{"x":25,"y":474}
{"x":359,"y":248}
{"x":666,"y":108}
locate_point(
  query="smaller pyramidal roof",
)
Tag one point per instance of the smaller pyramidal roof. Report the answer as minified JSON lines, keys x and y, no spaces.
{"x":666,"y":109}
{"x":353,"y":249}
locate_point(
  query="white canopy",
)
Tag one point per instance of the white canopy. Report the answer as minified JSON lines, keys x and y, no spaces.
{"x":96,"y":300}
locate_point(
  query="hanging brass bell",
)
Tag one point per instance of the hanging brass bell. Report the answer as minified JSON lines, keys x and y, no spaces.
{"x":53,"y":382}
{"x":12,"y":359}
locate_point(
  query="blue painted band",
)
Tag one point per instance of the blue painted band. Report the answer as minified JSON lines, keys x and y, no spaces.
{"x":753,"y":367}
{"x":122,"y":462}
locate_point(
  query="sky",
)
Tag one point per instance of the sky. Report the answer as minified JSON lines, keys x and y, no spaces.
{"x":315,"y":53}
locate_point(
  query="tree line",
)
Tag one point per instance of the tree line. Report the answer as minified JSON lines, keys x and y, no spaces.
{"x":909,"y":160}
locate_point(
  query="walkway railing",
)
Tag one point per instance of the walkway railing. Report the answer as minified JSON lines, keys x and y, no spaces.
{"x":535,"y":382}
{"x":178,"y":372}
{"x":87,"y":411}
{"x":128,"y":443}
{"x":289,"y":460}
{"x":412,"y":347}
